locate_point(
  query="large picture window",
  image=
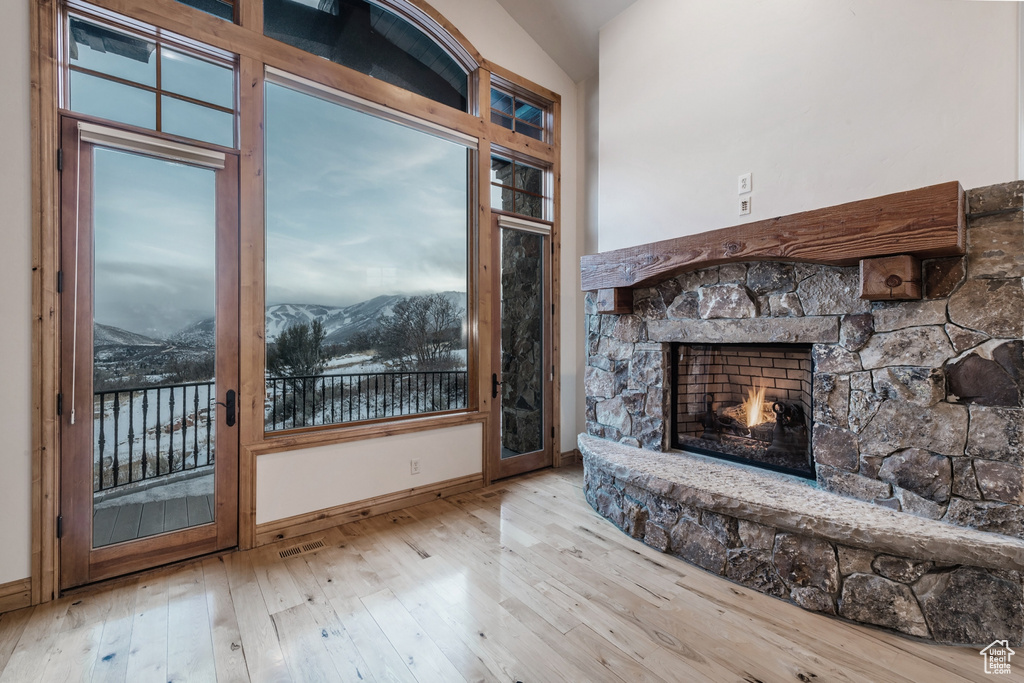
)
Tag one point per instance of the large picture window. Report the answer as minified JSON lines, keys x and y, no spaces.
{"x":366,"y":265}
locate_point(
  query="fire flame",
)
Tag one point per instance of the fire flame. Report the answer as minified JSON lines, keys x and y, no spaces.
{"x":754,"y":407}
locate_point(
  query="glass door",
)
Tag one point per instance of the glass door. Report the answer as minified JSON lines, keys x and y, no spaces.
{"x":149,"y":360}
{"x":522,"y":388}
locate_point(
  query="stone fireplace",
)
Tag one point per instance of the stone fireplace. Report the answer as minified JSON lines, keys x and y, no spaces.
{"x":914,"y":520}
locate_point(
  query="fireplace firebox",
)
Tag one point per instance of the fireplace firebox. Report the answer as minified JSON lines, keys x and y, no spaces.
{"x":749,"y":403}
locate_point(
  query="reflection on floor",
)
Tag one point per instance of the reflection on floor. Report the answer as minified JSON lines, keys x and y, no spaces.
{"x":156,"y":510}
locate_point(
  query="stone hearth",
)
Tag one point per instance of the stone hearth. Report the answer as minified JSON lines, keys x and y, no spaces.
{"x":917,"y":411}
{"x":827,"y":553}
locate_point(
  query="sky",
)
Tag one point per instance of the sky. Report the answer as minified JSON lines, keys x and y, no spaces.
{"x":358,"y":206}
{"x":154,"y":243}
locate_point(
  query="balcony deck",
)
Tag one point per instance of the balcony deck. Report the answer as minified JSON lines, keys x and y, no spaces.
{"x":120,"y":523}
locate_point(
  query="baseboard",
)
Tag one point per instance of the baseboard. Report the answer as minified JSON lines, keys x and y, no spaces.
{"x":570,"y":458}
{"x":15,"y":595}
{"x":300,"y":525}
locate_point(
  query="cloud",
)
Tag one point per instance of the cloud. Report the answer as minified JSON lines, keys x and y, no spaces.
{"x":351,"y":197}
{"x":357,"y":207}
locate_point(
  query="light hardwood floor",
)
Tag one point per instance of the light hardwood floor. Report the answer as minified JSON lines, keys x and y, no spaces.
{"x":518,"y":582}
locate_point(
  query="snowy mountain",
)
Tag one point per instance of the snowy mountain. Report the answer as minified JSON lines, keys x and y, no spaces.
{"x":341,"y":323}
{"x":108,"y":335}
{"x":198,"y":335}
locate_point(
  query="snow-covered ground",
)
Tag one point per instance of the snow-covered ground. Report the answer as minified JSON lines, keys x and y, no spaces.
{"x":359,"y":387}
{"x":160,"y":425}
{"x":196,"y":486}
{"x":187,"y":432}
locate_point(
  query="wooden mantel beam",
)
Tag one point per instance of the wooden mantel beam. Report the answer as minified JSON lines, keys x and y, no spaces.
{"x":926,"y":223}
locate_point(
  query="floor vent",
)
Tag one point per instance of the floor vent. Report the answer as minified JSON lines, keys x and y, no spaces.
{"x":302,"y":549}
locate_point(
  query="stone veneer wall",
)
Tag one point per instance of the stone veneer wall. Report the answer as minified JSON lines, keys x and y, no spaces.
{"x":917,"y":405}
{"x":522,"y":349}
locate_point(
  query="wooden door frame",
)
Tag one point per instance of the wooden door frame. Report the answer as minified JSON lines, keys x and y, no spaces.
{"x":80,"y":563}
{"x":498,"y":468}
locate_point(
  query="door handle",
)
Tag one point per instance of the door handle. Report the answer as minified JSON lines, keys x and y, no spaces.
{"x":229,"y":408}
{"x":494,"y":385}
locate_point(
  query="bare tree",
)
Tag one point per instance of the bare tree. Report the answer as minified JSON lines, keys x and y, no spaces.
{"x":422,"y":332}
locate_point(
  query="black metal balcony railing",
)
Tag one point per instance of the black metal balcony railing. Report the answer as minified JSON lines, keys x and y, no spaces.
{"x":294,"y":402}
{"x":150,"y":432}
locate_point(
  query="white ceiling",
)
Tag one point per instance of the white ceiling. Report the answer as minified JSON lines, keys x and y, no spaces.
{"x":567,"y":29}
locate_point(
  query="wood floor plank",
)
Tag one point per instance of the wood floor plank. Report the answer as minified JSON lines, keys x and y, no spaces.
{"x":126,"y":526}
{"x":228,"y":658}
{"x":112,"y":656}
{"x":152,"y":521}
{"x":190,"y":640}
{"x":421,"y":655}
{"x":471,"y":652}
{"x":670,"y":665}
{"x":89,"y":608}
{"x":38,"y":638}
{"x":374,"y":647}
{"x":303,"y":646}
{"x":341,"y":571}
{"x":466,"y":630}
{"x":72,"y":655}
{"x":334,"y":636}
{"x":262,"y":651}
{"x":471,"y":600}
{"x":275,"y":581}
{"x":12,"y":625}
{"x":521,"y":579}
{"x":147,"y":650}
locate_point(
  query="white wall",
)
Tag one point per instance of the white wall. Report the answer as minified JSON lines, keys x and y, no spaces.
{"x":15,"y":296}
{"x":824,"y":102}
{"x":312,"y":479}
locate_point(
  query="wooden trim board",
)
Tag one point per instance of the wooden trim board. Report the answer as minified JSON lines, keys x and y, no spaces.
{"x":15,"y":595}
{"x":570,"y":458}
{"x":45,"y":301}
{"x":926,"y":223}
{"x":318,"y":520}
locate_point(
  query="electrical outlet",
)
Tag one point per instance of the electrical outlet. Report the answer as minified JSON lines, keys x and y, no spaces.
{"x":744,"y":183}
{"x":414,"y":466}
{"x":744,"y":206}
